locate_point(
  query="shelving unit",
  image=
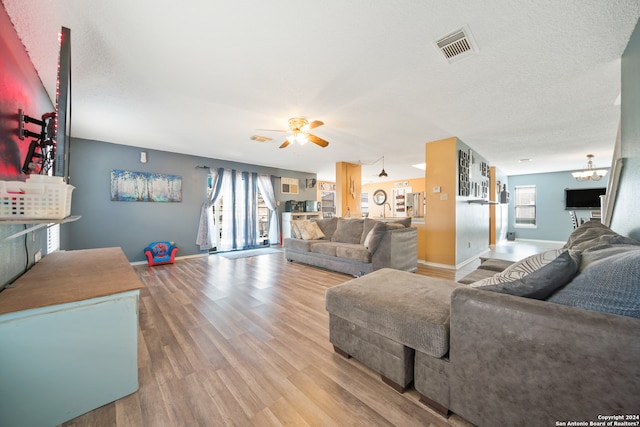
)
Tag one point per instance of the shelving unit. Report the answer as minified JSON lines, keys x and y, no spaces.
{"x":36,"y":224}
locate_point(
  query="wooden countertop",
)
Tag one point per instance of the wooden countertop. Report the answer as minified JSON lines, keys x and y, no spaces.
{"x":71,"y":276}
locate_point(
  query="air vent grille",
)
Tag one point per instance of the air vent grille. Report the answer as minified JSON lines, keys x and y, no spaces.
{"x":457,"y":45}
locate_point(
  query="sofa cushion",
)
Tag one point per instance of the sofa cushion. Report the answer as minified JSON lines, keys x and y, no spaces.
{"x":299,"y":244}
{"x":543,"y":282}
{"x":407,"y":308}
{"x":367,"y":227}
{"x":376,"y":234}
{"x":519,"y":269}
{"x":598,"y":253}
{"x":494,"y":264}
{"x":309,"y":230}
{"x":353,"y":252}
{"x":478,"y":275}
{"x":611,"y":285}
{"x":348,"y":231}
{"x":325,"y":248}
{"x":406,"y":222}
{"x":594,"y":233}
{"x":327,"y":225}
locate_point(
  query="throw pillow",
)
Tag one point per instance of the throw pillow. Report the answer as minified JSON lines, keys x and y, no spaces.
{"x":519,"y":269}
{"x":611,"y":286}
{"x":295,"y":228}
{"x":310,"y":230}
{"x":543,"y":282}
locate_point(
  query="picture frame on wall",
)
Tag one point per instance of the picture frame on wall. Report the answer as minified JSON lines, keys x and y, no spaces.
{"x":289,"y":185}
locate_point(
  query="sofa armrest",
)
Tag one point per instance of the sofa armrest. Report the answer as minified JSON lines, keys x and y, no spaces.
{"x":398,"y":249}
{"x":522,"y":361}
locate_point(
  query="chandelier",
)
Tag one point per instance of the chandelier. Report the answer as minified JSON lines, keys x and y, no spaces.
{"x":590,"y":173}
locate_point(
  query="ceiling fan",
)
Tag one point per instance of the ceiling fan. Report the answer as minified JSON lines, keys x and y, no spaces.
{"x":299,"y":128}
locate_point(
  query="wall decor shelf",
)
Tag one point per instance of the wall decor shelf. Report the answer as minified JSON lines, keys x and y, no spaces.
{"x":36,"y":224}
{"x":483,"y":202}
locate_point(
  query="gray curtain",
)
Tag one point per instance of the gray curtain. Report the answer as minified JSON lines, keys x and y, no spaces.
{"x":207,"y":237}
{"x":266,"y":187}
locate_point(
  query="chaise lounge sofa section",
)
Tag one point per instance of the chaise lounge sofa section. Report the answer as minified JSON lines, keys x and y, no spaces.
{"x":552,"y":338}
{"x":354,"y":246}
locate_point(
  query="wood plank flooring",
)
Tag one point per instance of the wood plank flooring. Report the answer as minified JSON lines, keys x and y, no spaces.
{"x":245,"y":342}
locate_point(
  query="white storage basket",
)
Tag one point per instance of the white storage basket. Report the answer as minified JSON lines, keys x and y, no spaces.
{"x":40,"y":197}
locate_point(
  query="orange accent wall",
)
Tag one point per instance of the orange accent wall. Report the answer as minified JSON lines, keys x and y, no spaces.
{"x":440,"y":218}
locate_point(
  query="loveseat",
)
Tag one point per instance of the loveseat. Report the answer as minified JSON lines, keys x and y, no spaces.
{"x":551,"y":339}
{"x":354,"y":246}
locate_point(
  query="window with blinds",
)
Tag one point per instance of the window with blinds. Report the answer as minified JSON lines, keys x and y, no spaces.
{"x":525,"y":206}
{"x":53,"y":238}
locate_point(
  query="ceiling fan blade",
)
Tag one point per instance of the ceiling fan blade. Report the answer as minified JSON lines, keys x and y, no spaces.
{"x":260,"y":138}
{"x":284,"y":144}
{"x":317,"y":140}
{"x":315,"y":124}
{"x":273,"y":130}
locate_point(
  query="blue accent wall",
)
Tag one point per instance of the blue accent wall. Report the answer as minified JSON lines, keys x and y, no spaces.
{"x":133,"y":225}
{"x":553,"y":220}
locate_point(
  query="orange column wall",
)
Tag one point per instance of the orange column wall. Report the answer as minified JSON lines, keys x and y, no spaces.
{"x":348,"y":189}
{"x":440,"y":220}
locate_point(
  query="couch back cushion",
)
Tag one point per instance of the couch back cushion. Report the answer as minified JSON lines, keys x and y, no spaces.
{"x":348,"y":231}
{"x":594,"y":233}
{"x":328,"y":226}
{"x":609,"y":285}
{"x":367,"y":227}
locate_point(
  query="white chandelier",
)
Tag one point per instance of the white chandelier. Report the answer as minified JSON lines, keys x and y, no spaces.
{"x":590,"y":173}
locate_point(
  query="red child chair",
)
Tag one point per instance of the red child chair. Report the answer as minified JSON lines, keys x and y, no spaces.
{"x":160,"y":253}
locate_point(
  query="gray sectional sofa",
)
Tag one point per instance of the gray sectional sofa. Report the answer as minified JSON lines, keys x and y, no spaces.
{"x":354,"y":246}
{"x":551,"y":339}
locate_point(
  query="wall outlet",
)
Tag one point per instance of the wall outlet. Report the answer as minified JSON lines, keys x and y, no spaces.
{"x":436,"y":189}
{"x":444,"y":196}
{"x":37,"y":257}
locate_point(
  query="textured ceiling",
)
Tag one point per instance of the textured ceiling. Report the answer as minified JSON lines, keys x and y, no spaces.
{"x":200,"y":76}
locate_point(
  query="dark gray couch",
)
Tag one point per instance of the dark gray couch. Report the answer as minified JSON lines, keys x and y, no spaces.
{"x":493,"y":354}
{"x":356,"y":246}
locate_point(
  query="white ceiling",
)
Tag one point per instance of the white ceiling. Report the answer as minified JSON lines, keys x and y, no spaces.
{"x":200,"y":76}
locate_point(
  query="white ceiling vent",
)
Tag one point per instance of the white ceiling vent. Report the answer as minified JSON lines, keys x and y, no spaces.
{"x":457,"y":45}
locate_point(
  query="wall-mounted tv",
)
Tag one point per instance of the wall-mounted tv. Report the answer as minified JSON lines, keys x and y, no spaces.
{"x":583,"y":198}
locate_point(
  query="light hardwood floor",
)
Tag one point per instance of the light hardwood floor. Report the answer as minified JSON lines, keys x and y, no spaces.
{"x":245,"y":342}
